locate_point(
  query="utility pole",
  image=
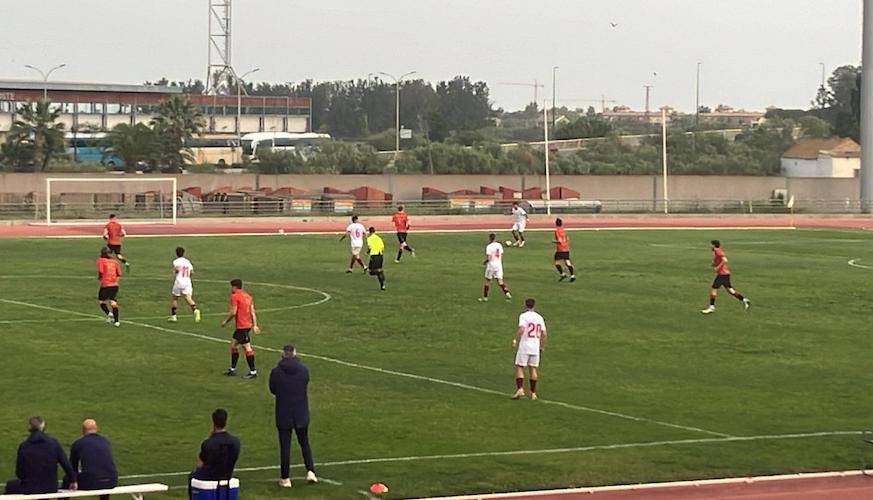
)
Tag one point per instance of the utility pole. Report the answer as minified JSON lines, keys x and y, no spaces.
{"x":648,"y":100}
{"x":697,"y":99}
{"x":866,"y":173}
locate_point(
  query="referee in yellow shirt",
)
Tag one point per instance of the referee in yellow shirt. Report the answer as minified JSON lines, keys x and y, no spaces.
{"x":376,"y":248}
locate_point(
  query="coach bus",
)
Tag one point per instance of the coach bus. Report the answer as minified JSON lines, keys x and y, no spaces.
{"x":219,"y":151}
{"x":280,"y":141}
{"x":86,"y":147}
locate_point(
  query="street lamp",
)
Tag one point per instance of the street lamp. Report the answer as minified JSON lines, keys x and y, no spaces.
{"x":239,"y":108}
{"x":697,"y":100}
{"x":397,"y":82}
{"x":45,"y":77}
{"x":554,"y":95}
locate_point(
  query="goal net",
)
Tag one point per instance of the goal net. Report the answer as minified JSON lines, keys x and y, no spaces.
{"x":77,"y":200}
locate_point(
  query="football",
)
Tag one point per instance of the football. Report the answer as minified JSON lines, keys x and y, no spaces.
{"x":507,"y":243}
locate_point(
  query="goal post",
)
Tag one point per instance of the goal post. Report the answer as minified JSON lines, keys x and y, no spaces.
{"x":88,"y":200}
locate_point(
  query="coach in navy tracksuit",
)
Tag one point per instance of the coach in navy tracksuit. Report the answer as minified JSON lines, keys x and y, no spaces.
{"x":91,"y":456}
{"x":289,"y":382}
{"x":36,"y":468}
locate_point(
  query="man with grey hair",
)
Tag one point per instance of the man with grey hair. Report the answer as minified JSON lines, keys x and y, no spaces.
{"x":289,"y":382}
{"x":36,"y":468}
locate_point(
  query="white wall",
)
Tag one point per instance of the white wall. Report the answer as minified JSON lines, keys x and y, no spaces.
{"x":824,"y":166}
{"x":792,"y":167}
{"x":844,"y":167}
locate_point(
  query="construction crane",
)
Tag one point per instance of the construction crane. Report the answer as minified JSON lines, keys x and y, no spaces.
{"x":536,"y":86}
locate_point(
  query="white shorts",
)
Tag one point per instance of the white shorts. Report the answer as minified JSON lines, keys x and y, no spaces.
{"x":493,"y":273}
{"x":527,"y":359}
{"x":356,"y":250}
{"x":519,"y":226}
{"x":179,"y":291}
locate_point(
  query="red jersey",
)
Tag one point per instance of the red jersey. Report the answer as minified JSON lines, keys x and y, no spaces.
{"x":562,"y":241}
{"x":241,"y":303}
{"x":113,"y":232}
{"x":109,"y":271}
{"x":719,"y":262}
{"x":400,"y":221}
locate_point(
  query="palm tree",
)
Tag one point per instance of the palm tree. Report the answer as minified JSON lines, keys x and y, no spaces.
{"x":177,"y":120}
{"x":131,"y":143}
{"x":39,"y":124}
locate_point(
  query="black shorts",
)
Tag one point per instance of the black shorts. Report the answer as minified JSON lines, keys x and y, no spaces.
{"x":241,"y":335}
{"x":562,"y":255}
{"x":107,"y":293}
{"x":722,"y":280}
{"x":401,"y":237}
{"x":375,"y":264}
{"x":116,"y":249}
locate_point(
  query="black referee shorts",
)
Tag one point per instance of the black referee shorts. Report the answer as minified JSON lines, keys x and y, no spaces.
{"x":375,"y":264}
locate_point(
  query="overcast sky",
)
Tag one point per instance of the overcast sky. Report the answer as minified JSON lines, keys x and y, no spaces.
{"x":755,"y":53}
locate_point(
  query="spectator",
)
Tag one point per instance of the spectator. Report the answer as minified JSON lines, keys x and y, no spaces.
{"x":94,"y":453}
{"x":289,"y":381}
{"x":36,"y":469}
{"x":218,"y":453}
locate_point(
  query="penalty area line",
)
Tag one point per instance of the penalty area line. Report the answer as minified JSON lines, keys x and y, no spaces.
{"x":384,"y":371}
{"x":547,"y":451}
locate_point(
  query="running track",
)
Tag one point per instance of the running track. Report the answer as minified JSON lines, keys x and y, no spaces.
{"x":272,"y":225}
{"x":844,"y":486}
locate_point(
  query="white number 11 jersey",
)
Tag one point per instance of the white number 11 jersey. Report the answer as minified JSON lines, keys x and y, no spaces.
{"x":183,"y":268}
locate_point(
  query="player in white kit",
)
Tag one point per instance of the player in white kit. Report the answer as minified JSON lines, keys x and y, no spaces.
{"x":182,"y":286}
{"x":529,"y":340}
{"x":494,"y":268}
{"x":519,"y":221}
{"x":355,"y":231}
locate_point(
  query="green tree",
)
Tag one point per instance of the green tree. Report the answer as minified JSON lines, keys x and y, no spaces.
{"x":810,"y":126}
{"x":177,"y":121}
{"x":133,"y":144}
{"x":36,"y":125}
{"x":584,"y":127}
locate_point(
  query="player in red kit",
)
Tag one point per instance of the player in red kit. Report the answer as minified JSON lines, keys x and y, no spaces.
{"x":562,"y":251}
{"x":113,"y":233}
{"x":401,"y":224}
{"x":722,"y":279}
{"x":108,"y":273}
{"x":242,"y":310}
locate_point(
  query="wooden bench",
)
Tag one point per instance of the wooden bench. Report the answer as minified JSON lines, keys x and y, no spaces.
{"x":137,"y":491}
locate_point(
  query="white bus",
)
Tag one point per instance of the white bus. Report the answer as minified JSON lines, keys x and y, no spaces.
{"x":280,"y":141}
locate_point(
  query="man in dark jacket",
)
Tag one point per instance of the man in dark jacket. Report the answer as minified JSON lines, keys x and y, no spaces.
{"x":94,"y":453}
{"x":36,"y":469}
{"x":289,"y":381}
{"x":218,"y":453}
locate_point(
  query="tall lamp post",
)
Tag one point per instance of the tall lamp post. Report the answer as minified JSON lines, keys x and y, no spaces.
{"x":554,"y":95}
{"x":866,"y":173}
{"x":45,"y":76}
{"x":697,"y":99}
{"x":397,"y":82}
{"x":239,"y":80}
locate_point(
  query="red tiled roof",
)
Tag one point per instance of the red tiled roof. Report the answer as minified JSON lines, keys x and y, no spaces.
{"x":809,"y":148}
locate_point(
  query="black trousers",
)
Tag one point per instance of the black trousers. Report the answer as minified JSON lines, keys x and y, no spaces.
{"x":14,"y":486}
{"x":89,"y":482}
{"x":285,"y":450}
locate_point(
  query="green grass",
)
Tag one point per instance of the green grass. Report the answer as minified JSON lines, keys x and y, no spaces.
{"x":626,"y":338}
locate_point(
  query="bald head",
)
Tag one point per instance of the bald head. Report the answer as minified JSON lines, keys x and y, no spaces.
{"x":89,"y":426}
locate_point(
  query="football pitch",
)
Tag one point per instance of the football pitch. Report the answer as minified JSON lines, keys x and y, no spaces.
{"x":411,"y":386}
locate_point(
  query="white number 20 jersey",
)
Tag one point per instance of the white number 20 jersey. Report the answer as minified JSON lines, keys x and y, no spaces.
{"x":533,"y":327}
{"x":183,"y":268}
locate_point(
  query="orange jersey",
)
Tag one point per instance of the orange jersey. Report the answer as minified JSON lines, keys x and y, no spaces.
{"x":241,"y":302}
{"x":718,"y":261}
{"x":109,"y":271}
{"x":113,"y":232}
{"x":562,"y":241}
{"x":400,"y":221}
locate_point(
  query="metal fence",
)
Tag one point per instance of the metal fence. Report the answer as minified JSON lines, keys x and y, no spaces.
{"x":255,"y":207}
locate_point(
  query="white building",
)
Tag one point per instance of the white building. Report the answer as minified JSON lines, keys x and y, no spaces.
{"x":822,"y":157}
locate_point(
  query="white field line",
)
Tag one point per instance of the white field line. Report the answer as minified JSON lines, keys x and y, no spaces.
{"x":324,"y":298}
{"x":459,"y":385}
{"x":547,"y":451}
{"x":655,"y":486}
{"x":421,"y":231}
{"x":854,"y":263}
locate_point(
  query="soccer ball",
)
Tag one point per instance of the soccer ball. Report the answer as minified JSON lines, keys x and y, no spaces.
{"x":508,"y":243}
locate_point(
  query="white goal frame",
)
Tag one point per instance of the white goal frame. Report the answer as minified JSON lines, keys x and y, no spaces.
{"x":48,"y":198}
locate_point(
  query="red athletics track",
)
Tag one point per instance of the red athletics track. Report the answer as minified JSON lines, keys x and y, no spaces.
{"x":272,"y":225}
{"x":850,"y":485}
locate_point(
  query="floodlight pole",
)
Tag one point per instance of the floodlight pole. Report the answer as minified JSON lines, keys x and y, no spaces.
{"x":664,"y":157}
{"x":546,"y":149}
{"x":45,"y":76}
{"x":866,"y":173}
